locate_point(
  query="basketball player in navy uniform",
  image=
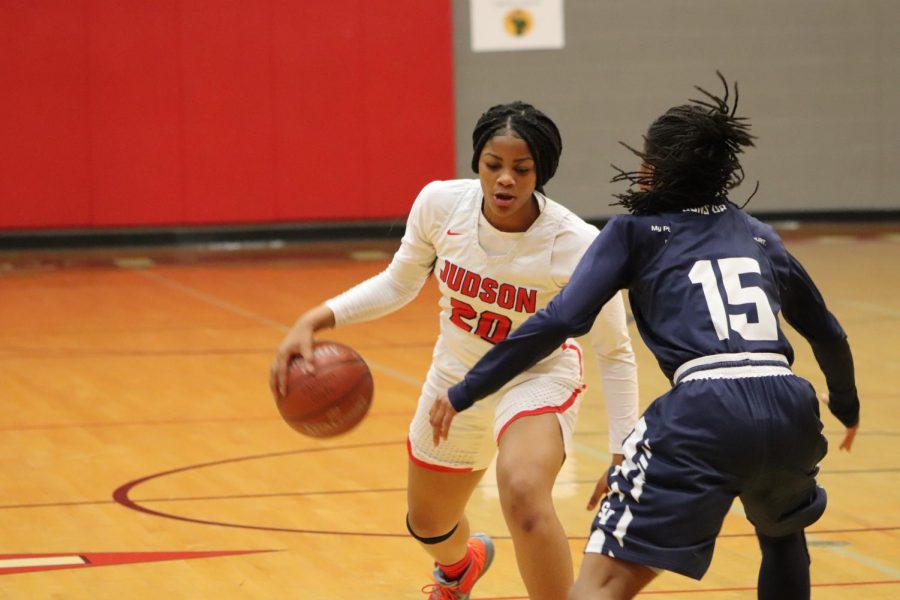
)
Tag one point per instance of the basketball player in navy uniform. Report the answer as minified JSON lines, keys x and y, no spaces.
{"x":707,"y":284}
{"x":499,"y":250}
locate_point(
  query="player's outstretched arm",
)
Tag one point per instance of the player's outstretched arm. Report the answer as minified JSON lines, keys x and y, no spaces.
{"x":571,"y":313}
{"x":299,"y":341}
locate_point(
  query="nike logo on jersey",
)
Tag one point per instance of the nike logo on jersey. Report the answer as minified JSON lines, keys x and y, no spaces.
{"x":451,"y":232}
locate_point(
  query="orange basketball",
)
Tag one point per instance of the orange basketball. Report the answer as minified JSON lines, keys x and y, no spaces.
{"x":334,"y":399}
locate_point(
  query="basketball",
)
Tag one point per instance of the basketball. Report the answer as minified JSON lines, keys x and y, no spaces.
{"x":334,"y":399}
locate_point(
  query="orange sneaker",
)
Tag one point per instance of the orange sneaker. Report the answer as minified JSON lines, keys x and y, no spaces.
{"x":460,"y":589}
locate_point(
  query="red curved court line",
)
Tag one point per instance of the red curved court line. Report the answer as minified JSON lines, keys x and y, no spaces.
{"x":121,"y":495}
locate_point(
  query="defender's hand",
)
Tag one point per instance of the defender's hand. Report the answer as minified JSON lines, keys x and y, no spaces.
{"x":603,"y":483}
{"x":849,"y":434}
{"x":440,"y":417}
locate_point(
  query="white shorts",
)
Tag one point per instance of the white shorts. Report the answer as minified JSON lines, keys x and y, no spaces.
{"x":475,"y":432}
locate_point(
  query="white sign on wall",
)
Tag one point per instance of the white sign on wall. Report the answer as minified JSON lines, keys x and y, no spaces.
{"x":516,"y":24}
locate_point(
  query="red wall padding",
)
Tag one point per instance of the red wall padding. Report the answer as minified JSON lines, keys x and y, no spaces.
{"x":188,"y":112}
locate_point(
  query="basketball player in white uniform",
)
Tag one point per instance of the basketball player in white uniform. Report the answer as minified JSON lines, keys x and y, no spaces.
{"x":500,"y":250}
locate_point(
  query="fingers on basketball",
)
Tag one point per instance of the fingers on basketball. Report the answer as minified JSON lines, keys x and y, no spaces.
{"x":332,"y":400}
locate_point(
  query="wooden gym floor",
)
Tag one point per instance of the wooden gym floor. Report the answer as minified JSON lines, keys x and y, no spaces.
{"x":143,"y":457}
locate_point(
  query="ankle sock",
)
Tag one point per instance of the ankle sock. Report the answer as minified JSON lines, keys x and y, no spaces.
{"x":455,"y":571}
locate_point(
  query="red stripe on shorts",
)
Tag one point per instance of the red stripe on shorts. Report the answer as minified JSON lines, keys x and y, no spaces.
{"x":538,"y":411}
{"x":577,"y":350}
{"x":430,"y":466}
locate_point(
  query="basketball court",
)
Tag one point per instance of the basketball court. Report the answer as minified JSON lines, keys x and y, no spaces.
{"x":143,"y":456}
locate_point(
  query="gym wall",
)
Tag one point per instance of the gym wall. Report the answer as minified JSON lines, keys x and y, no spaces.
{"x":124,"y":113}
{"x":819,"y":79}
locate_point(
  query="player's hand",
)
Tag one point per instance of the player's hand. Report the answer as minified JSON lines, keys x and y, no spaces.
{"x":440,"y":417}
{"x":599,"y":491}
{"x":849,"y":434}
{"x":603,"y":483}
{"x":299,"y":342}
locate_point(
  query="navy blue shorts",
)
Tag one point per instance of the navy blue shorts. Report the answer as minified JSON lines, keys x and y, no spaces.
{"x":698,"y":447}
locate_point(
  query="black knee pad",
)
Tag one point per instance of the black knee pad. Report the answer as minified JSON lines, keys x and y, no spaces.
{"x":759,"y":511}
{"x":430,"y":540}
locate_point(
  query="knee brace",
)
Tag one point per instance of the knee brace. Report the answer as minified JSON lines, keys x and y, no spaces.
{"x":430,"y":540}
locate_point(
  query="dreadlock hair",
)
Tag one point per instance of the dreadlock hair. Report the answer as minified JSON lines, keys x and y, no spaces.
{"x":523,"y":121}
{"x":692,"y":154}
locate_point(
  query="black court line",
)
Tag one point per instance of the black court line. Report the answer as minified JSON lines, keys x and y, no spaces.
{"x":391,"y":490}
{"x":374,"y":413}
{"x":751,"y":588}
{"x":168,"y":422}
{"x":68,"y":353}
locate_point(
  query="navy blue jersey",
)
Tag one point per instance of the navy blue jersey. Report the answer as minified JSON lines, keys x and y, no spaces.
{"x":705,"y":281}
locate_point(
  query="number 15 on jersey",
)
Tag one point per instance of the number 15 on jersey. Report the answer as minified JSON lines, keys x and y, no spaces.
{"x":731,"y":269}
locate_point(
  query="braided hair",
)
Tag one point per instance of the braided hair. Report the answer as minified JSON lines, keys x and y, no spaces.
{"x":523,"y":121}
{"x":691,"y":156}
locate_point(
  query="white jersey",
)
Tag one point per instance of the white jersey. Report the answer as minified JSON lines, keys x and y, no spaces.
{"x":487,"y":293}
